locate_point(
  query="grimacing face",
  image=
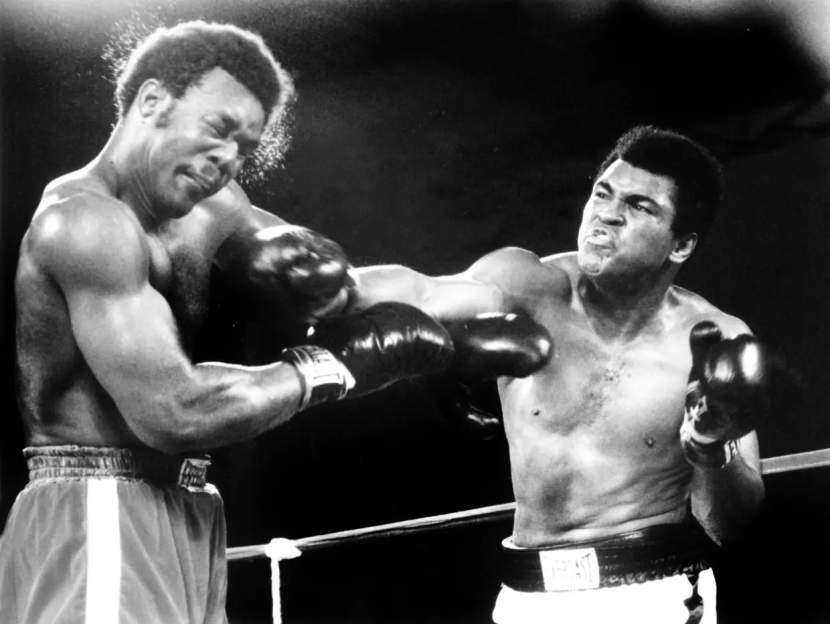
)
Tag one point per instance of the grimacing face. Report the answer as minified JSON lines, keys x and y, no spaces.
{"x":200,"y":141}
{"x":626,"y":224}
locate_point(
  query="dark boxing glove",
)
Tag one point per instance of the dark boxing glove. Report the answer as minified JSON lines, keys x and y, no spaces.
{"x":300,"y":269}
{"x":498,"y":345}
{"x":727,"y":395}
{"x":486,"y":347}
{"x":360,"y":353}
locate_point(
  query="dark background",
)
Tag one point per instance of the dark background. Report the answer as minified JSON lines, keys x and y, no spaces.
{"x":429,"y":133}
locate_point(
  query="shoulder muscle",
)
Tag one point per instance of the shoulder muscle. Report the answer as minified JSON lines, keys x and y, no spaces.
{"x":520,"y":274}
{"x":88,"y":241}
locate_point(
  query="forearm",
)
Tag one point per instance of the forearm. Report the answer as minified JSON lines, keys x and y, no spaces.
{"x":223,"y":404}
{"x":726,"y":500}
{"x":445,"y":298}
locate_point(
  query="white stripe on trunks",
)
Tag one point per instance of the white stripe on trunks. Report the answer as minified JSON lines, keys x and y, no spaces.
{"x":103,"y":545}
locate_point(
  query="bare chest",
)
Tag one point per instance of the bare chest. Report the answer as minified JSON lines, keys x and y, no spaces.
{"x":180,"y":265}
{"x":619,"y":396}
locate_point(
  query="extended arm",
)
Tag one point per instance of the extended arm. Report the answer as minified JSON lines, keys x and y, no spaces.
{"x":506,"y":280}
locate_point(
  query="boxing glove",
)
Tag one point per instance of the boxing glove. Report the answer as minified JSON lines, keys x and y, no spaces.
{"x":300,"y":270}
{"x":488,"y":346}
{"x":498,"y":345}
{"x":364,"y":352}
{"x":727,"y":395}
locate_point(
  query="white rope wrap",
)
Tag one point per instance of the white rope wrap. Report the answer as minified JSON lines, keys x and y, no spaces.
{"x":279,"y":549}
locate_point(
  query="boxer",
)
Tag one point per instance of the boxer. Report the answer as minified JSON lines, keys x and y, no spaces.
{"x":632,"y":449}
{"x":118,"y":522}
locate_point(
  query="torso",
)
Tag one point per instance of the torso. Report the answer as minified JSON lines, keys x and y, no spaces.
{"x":60,"y":400}
{"x":593,"y":436}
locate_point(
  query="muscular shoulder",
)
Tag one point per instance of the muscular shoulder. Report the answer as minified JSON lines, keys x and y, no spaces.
{"x":521,"y":274}
{"x":692,"y":309}
{"x":79,"y":233}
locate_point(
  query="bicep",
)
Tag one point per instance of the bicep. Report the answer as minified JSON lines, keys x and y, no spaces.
{"x":130,"y":343}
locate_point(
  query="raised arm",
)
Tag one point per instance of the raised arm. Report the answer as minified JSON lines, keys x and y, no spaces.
{"x":126,"y":332}
{"x":728,"y":395}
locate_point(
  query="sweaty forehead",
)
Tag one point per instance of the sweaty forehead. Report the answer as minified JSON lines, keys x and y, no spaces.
{"x":624,"y":177}
{"x":220,"y":93}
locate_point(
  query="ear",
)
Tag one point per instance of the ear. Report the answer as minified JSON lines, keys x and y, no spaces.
{"x":682,"y":248}
{"x":151,"y":98}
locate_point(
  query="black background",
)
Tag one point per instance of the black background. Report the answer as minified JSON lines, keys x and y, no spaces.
{"x":429,"y":133}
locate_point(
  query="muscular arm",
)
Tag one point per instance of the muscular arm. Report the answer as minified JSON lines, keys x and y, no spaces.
{"x":127,"y":334}
{"x":726,"y":500}
{"x":446,"y":298}
{"x":503,"y":281}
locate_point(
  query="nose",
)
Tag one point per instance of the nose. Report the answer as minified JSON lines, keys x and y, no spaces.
{"x":226,"y":158}
{"x":611,"y":212}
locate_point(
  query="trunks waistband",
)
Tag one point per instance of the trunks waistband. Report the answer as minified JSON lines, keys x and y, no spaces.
{"x":648,"y":554}
{"x":85,"y":462}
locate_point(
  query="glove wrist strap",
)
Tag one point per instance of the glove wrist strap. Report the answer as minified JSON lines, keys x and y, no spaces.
{"x":324,"y":377}
{"x":714,"y":455}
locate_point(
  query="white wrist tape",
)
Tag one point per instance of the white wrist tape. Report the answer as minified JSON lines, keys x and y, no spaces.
{"x":325,"y":378}
{"x":711,"y":455}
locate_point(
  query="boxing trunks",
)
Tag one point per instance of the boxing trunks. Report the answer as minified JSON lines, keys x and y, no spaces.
{"x":113,"y":536}
{"x":659,"y":574}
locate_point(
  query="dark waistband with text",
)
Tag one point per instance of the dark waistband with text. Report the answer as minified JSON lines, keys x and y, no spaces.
{"x":79,"y":462}
{"x":638,"y":556}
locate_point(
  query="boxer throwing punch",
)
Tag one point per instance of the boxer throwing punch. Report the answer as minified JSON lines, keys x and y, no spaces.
{"x":646,"y":410}
{"x":117,"y":523}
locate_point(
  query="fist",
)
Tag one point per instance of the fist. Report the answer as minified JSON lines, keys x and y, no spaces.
{"x":728,"y":391}
{"x":386,"y":343}
{"x":301,"y":269}
{"x":497,"y":345}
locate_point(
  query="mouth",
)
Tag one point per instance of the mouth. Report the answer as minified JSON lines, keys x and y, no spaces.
{"x":599,"y":237}
{"x":209,"y":186}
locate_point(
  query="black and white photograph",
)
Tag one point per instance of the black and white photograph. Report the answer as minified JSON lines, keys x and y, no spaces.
{"x":415,"y":311}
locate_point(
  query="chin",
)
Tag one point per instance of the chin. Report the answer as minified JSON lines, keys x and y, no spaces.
{"x":588,"y":263}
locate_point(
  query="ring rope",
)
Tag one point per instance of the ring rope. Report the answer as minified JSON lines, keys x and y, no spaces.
{"x":430,"y":523}
{"x":772,"y":465}
{"x":281,"y":548}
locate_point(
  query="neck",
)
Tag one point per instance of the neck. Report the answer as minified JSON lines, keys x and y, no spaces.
{"x":119,"y":164}
{"x":618,"y":312}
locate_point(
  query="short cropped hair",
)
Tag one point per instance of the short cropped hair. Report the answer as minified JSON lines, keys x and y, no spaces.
{"x":180,"y":56}
{"x":694,"y":170}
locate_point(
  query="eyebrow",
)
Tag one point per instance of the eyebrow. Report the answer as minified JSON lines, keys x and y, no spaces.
{"x":635,"y":198}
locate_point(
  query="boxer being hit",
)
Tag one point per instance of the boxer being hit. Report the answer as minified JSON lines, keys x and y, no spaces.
{"x":118,"y":522}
